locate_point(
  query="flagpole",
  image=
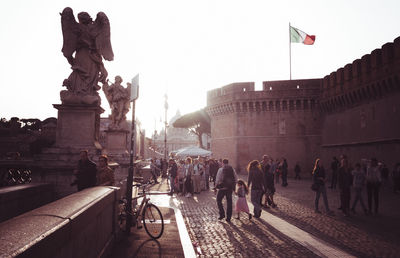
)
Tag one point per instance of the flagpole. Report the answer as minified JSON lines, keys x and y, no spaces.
{"x":290,"y":55}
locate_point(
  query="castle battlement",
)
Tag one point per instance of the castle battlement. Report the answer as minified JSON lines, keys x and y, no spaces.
{"x":275,"y":96}
{"x":374,"y":75}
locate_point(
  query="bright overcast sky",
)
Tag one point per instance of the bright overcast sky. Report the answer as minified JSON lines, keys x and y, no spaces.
{"x":185,"y":48}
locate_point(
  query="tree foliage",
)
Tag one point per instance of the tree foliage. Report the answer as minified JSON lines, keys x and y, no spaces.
{"x":197,"y":122}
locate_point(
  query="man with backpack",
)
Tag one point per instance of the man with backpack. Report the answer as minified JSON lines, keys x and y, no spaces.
{"x":225,"y":183}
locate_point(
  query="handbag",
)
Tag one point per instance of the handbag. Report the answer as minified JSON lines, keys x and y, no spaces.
{"x":315,"y":187}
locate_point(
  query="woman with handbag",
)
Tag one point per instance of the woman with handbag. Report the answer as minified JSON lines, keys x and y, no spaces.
{"x":319,"y":186}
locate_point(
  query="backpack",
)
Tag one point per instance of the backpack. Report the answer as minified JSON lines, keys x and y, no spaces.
{"x":228,"y":178}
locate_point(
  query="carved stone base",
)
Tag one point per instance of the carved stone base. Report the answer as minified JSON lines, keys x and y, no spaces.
{"x":69,"y":98}
{"x":78,"y":126}
{"x":116,"y":145}
{"x":117,"y":141}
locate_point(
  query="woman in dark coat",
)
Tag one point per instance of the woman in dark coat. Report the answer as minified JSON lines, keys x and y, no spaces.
{"x":319,"y":179}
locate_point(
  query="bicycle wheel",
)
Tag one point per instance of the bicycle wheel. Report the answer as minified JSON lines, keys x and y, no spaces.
{"x":153,"y":221}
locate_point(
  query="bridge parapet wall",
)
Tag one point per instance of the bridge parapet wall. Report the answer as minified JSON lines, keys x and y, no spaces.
{"x":80,"y":225}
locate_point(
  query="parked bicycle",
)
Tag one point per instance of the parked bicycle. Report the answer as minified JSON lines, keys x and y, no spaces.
{"x":147,"y":213}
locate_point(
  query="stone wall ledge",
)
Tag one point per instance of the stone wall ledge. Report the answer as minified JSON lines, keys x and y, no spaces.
{"x":79,"y":225}
{"x":15,"y":200}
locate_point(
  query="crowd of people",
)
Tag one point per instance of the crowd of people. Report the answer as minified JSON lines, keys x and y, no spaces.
{"x":187,"y":176}
{"x":191,"y":176}
{"x":367,"y":175}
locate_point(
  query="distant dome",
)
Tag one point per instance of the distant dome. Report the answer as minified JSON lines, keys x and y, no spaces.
{"x":175,"y":117}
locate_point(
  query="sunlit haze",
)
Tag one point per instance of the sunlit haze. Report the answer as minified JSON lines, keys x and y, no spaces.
{"x":185,"y":48}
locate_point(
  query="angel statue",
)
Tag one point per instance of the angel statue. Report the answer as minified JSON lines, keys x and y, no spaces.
{"x":119,"y":99}
{"x":85,"y":45}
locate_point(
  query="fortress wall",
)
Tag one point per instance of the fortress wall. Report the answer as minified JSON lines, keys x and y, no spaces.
{"x":368,"y":130}
{"x":294,"y":135}
{"x":361,"y":112}
{"x":223,"y":142}
{"x":281,"y":122}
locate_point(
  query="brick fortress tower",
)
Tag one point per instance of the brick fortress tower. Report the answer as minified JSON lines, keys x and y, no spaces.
{"x":282,"y":120}
{"x":354,"y":111}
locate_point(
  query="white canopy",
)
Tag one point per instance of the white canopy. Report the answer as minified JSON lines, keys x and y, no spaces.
{"x":192,"y":151}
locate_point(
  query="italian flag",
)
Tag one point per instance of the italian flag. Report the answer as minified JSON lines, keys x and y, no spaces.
{"x":298,"y":36}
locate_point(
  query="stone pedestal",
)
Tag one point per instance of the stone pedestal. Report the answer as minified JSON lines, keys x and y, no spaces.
{"x":116,"y":145}
{"x":78,"y":126}
{"x":117,"y":141}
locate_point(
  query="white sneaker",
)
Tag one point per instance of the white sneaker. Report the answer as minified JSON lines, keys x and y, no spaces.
{"x":188,"y":195}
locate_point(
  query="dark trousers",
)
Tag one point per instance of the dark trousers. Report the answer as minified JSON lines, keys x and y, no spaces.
{"x":345,"y":200}
{"x":358,"y":197}
{"x":373,"y":190}
{"x":172,"y":184}
{"x":154,"y":175}
{"x":297,"y":176}
{"x":207,"y":181}
{"x":220,"y":195}
{"x":188,"y":186}
{"x":334,"y":179}
{"x":321,"y":190}
{"x":284,"y":178}
{"x":256,"y":196}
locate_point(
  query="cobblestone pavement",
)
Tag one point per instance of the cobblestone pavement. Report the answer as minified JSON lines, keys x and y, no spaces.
{"x":359,"y":235}
{"x":240,"y":238}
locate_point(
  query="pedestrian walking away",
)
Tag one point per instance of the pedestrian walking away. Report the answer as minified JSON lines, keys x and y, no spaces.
{"x":225,"y":184}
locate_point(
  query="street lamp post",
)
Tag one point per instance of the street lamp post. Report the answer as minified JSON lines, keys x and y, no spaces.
{"x":166,"y":124}
{"x":129,"y":181}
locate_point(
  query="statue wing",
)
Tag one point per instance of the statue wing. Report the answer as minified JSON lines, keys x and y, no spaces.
{"x":70,"y":30}
{"x":102,"y":31}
